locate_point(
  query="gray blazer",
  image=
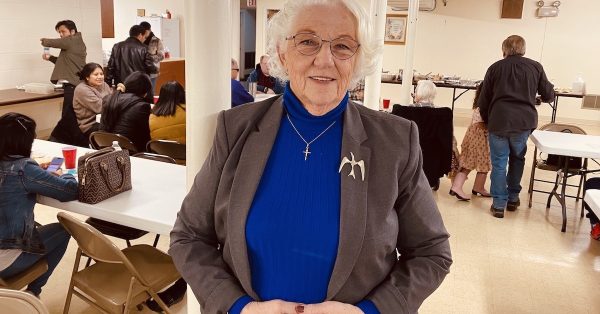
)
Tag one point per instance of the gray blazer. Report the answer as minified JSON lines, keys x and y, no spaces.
{"x":391,"y":211}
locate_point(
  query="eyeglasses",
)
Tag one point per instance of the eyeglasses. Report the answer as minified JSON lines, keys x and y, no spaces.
{"x":308,"y":44}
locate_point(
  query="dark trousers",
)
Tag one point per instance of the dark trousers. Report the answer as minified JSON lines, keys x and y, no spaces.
{"x":591,"y":184}
{"x":55,"y":240}
{"x":67,"y":130}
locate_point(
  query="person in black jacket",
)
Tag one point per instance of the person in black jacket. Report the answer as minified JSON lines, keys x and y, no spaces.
{"x":129,"y":56}
{"x":507,"y":106}
{"x":127,"y":110}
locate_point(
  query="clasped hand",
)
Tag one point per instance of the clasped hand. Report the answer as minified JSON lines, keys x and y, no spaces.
{"x":283,"y":307}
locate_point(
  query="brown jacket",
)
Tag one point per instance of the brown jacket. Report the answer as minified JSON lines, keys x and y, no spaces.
{"x":71,"y":58}
{"x":391,"y":211}
{"x":87,"y":103}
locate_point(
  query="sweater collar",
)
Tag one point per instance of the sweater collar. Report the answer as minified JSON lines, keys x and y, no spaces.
{"x":297,"y":112}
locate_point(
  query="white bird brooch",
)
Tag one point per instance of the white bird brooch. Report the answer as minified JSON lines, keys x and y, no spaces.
{"x":353,"y":163}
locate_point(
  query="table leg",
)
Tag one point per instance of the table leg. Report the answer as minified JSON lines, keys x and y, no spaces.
{"x":561,"y":198}
{"x":453,"y":98}
{"x":554,"y":109}
{"x":563,"y":203}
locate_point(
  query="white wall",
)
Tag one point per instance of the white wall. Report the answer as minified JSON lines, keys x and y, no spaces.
{"x":126,"y":12}
{"x":26,"y":21}
{"x":465,"y":37}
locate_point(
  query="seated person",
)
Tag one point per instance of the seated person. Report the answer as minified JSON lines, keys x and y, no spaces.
{"x":22,"y":244}
{"x":265,"y":83}
{"x":87,"y":100}
{"x":438,"y":145}
{"x":127,"y":110}
{"x":167,"y":118}
{"x":239,"y":95}
{"x":424,"y":94}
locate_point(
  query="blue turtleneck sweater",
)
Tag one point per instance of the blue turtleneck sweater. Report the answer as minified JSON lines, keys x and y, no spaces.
{"x":292,"y":229}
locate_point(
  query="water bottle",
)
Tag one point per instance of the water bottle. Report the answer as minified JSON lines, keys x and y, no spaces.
{"x":46,"y":52}
{"x":115,"y":146}
{"x":578,"y":86}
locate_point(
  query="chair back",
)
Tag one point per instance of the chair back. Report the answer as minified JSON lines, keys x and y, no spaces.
{"x":24,"y":278}
{"x":435,"y":136}
{"x":101,"y":139}
{"x":91,"y":241}
{"x":155,"y":157}
{"x":559,"y":127}
{"x":172,"y":149}
{"x":19,"y":302}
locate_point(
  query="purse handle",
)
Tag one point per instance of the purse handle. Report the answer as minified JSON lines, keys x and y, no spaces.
{"x":104,"y":171}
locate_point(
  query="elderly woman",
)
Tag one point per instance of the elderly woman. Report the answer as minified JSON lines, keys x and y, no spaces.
{"x":425,"y":93}
{"x":309,"y":203}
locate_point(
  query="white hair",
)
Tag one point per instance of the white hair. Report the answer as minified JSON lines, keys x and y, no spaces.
{"x":425,"y":91}
{"x":280,"y":27}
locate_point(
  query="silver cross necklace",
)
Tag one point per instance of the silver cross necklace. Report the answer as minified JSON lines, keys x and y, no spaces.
{"x":306,"y":151}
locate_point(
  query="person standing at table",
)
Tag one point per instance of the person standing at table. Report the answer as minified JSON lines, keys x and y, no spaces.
{"x":507,"y":106}
{"x":155,"y":49}
{"x":129,"y":56}
{"x":265,"y":83}
{"x":67,"y":65}
{"x":239,"y":95}
{"x":22,"y":244}
{"x":306,"y":200}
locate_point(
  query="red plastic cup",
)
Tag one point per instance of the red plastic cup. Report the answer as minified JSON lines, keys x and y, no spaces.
{"x":69,"y":153}
{"x":156,"y":99}
{"x":386,"y":103}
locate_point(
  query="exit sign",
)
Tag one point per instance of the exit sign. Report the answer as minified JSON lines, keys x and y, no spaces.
{"x":251,"y":3}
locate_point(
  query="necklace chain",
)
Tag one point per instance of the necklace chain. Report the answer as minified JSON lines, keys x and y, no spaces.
{"x":306,"y":152}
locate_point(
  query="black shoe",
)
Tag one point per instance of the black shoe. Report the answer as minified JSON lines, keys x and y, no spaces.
{"x":497,"y":212}
{"x":477,"y":193}
{"x":512,"y":206}
{"x":173,"y":295}
{"x":458,"y":196}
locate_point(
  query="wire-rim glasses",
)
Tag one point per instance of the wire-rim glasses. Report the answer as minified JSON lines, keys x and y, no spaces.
{"x":309,"y":44}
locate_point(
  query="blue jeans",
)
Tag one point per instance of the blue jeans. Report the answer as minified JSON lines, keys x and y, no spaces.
{"x":55,"y":240}
{"x":507,"y":150}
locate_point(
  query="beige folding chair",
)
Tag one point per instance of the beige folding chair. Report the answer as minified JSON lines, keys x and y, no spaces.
{"x":24,"y":278}
{"x":120,"y":279}
{"x":172,"y":149}
{"x":19,"y":302}
{"x":540,"y":163}
{"x":101,"y":139}
{"x":156,"y":157}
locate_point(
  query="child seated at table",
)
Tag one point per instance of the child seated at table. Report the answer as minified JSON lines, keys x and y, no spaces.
{"x":22,"y":244}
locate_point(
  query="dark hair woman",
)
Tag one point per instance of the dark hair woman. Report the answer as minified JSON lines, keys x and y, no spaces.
{"x":127,"y":110}
{"x":167,"y":121}
{"x":87,"y":100}
{"x":22,"y":244}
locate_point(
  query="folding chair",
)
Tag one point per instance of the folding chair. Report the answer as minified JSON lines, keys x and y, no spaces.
{"x":22,"y":279}
{"x":542,"y":164}
{"x":120,"y":279}
{"x":19,"y":302}
{"x":172,"y":149}
{"x":101,"y":139}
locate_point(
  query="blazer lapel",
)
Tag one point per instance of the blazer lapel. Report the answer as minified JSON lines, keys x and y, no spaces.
{"x":253,"y":159}
{"x":353,"y":210}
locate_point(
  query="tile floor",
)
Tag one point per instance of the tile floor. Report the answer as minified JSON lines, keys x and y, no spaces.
{"x":519,"y":264}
